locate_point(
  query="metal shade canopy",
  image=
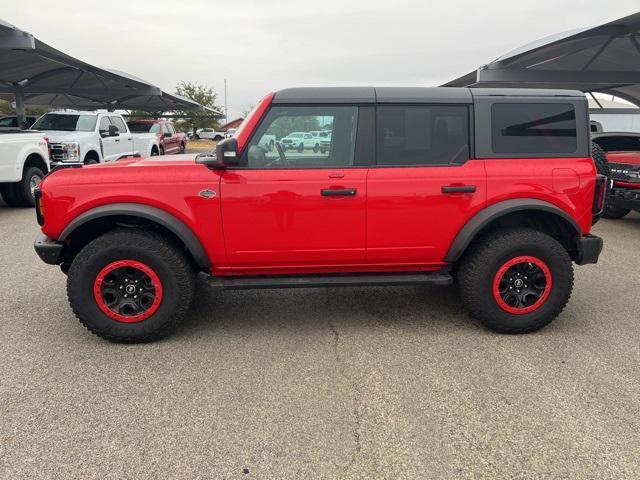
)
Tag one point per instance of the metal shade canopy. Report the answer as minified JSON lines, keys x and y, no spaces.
{"x":36,"y":74}
{"x":600,"y":59}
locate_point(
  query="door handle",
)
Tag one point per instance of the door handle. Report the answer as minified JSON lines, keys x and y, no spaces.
{"x":337,"y":192}
{"x":117,"y":139}
{"x":459,"y":189}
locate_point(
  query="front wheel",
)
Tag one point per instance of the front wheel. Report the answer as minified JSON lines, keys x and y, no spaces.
{"x":22,"y":194}
{"x":300,"y":148}
{"x":131,"y":286}
{"x":516,"y":280}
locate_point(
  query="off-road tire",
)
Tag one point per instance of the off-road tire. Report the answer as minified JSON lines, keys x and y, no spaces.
{"x":614,"y":212}
{"x":476,"y":272}
{"x":159,"y":253}
{"x":600,"y":159}
{"x":300,"y":148}
{"x":182,"y":149}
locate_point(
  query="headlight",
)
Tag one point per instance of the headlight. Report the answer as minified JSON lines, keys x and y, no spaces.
{"x":72,"y":149}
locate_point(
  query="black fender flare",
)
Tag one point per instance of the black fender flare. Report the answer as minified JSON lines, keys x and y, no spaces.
{"x":497,"y":210}
{"x":168,"y":221}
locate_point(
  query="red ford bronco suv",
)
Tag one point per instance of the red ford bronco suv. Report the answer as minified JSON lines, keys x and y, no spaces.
{"x":623,"y":151}
{"x":494,"y":190}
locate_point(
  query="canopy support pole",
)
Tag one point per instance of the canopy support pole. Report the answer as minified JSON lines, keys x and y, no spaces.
{"x":20,"y":108}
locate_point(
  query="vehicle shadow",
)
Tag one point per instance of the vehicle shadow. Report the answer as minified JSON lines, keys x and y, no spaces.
{"x":313,"y":309}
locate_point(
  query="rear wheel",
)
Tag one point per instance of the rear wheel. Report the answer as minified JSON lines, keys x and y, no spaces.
{"x":131,"y":286}
{"x":182,"y":149}
{"x":516,"y":280}
{"x":614,"y":212}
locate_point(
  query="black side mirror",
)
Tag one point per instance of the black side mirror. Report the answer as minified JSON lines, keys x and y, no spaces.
{"x":113,"y":131}
{"x":226,"y":155}
{"x":168,"y":135}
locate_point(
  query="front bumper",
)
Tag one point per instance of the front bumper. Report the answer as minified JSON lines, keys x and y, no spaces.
{"x":48,"y":250}
{"x":625,"y":196}
{"x":589,"y":248}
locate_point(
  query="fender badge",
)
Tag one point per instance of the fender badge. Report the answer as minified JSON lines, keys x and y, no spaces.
{"x":207,"y":194}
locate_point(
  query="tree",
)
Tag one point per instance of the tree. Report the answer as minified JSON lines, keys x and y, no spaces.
{"x":7,"y":109}
{"x":204,"y":96}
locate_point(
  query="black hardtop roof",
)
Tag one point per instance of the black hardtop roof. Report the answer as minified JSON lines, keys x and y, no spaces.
{"x":407,"y":94}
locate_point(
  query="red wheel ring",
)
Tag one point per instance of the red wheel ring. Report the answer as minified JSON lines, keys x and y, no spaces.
{"x":522,"y":285}
{"x":128,"y":291}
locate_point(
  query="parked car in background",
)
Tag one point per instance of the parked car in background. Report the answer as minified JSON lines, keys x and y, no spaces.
{"x":209,"y":134}
{"x":92,"y":137}
{"x":169,"y":140}
{"x":300,"y":141}
{"x":24,"y":161}
{"x":230,"y":132}
{"x":623,"y":155}
{"x":10,"y":122}
{"x":417,"y":196}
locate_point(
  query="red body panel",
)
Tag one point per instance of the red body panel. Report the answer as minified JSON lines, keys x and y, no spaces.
{"x":567,"y":183}
{"x":632,"y":158}
{"x":174,"y":188}
{"x":410,"y":221}
{"x":291,"y":223}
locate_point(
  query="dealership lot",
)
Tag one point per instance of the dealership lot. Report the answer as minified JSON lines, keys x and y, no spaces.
{"x":322,"y":383}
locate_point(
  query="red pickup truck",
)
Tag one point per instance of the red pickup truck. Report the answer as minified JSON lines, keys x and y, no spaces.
{"x":169,"y":140}
{"x":493,"y":190}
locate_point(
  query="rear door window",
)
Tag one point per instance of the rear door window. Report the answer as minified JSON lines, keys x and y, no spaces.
{"x":422,"y":135}
{"x":533,"y":128}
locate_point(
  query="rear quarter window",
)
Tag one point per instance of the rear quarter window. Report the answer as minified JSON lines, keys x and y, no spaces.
{"x":533,"y":128}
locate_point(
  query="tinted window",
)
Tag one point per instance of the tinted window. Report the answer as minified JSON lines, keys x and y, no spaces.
{"x":118,"y":122}
{"x":533,"y":128}
{"x":170,"y":128}
{"x":422,"y":135}
{"x":66,"y":122}
{"x":283,"y":139}
{"x":619,"y":144}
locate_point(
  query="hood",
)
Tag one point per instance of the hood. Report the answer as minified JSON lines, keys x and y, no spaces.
{"x":628,"y":158}
{"x":63,"y":136}
{"x":141,"y":171}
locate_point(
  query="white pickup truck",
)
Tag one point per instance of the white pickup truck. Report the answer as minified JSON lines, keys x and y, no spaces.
{"x":92,"y":137}
{"x":24,"y":161}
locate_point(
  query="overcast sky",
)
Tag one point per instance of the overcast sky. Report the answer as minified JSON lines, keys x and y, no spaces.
{"x":261,"y":46}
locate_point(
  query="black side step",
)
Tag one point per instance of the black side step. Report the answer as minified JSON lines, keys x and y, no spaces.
{"x":367,"y":280}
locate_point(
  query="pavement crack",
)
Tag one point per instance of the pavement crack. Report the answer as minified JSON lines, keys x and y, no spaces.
{"x":357,"y":403}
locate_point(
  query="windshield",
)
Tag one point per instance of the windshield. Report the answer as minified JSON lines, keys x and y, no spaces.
{"x":143,"y":127}
{"x":65,"y":122}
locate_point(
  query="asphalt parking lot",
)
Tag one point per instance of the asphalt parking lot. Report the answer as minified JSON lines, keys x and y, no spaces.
{"x":322,"y":383}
